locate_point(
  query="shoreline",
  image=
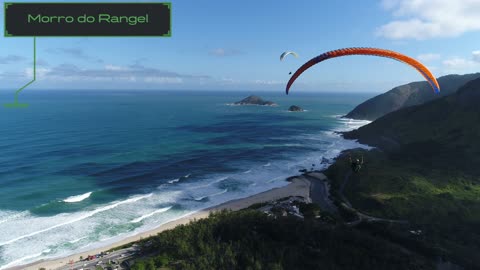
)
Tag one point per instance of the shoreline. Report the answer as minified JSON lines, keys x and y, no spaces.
{"x":297,"y":187}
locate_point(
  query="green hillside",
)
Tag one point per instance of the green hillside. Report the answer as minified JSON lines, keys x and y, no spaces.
{"x":426,"y":169}
{"x":251,"y":240}
{"x":411,"y":94}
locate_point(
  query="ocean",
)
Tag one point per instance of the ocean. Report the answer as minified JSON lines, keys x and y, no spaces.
{"x":82,"y":169}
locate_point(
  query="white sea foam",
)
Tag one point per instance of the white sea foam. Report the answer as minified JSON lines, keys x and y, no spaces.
{"x":282,"y":145}
{"x":350,"y":124}
{"x":295,"y":111}
{"x":174,"y":180}
{"x":210,"y":183}
{"x":158,"y":211}
{"x":10,"y":215}
{"x":178,"y":179}
{"x":81,"y":217}
{"x":21,"y":260}
{"x":77,"y":240}
{"x":249,"y":171}
{"x":211,"y":195}
{"x":267,"y":165}
{"x":77,"y":198}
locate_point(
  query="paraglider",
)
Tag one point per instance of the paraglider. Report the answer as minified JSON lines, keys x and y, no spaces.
{"x":356,"y":164}
{"x":287,"y":53}
{"x":368,"y":51}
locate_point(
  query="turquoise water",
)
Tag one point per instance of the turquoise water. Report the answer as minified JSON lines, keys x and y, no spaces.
{"x":81,"y":169}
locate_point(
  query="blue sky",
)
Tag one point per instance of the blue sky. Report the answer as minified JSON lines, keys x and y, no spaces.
{"x":235,"y":45}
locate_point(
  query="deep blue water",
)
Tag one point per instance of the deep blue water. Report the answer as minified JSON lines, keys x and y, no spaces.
{"x":80,"y":169}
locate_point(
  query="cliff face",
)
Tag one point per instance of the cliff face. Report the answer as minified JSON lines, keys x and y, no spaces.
{"x":407,"y":95}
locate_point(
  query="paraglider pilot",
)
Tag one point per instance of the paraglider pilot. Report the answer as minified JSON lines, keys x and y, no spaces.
{"x":356,"y":164}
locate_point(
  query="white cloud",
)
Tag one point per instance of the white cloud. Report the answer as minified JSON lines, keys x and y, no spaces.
{"x":114,"y":67}
{"x":40,"y":72}
{"x":459,"y":63}
{"x":110,"y":73}
{"x":163,"y":80}
{"x":476,"y":56}
{"x":463,"y":64}
{"x":267,"y":82}
{"x":426,"y":57}
{"x":425,"y":19}
{"x":220,"y":52}
{"x":229,"y":81}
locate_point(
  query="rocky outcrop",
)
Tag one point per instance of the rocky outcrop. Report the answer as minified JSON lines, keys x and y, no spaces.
{"x":295,"y":108}
{"x":255,"y":100}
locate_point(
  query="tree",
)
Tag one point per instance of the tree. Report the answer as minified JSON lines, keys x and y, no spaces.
{"x":257,"y":265}
{"x":275,"y":266}
{"x":161,"y":260}
{"x":150,"y":265}
{"x":139,"y":265}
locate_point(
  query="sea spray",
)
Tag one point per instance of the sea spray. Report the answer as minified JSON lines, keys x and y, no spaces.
{"x":77,"y":198}
{"x":161,"y":210}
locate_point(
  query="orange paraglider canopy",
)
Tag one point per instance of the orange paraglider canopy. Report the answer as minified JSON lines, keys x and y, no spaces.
{"x":368,"y":51}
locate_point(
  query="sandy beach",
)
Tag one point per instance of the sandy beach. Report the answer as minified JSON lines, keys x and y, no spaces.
{"x":297,"y":187}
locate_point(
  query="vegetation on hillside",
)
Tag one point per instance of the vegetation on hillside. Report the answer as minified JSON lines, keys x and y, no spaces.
{"x":249,"y":239}
{"x":426,"y":171}
{"x":443,"y":204}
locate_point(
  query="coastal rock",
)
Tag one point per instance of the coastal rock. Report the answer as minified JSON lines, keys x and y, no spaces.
{"x":295,"y":108}
{"x":255,"y":100}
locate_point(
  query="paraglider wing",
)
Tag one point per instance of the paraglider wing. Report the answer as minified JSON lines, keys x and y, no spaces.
{"x":368,"y":51}
{"x":287,"y":53}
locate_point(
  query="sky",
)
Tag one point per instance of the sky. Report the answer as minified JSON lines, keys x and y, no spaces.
{"x":235,"y":45}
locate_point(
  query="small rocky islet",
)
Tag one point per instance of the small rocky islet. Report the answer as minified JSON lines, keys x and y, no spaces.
{"x":255,"y":100}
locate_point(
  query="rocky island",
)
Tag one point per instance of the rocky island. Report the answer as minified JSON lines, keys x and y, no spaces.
{"x":295,"y":108}
{"x":255,"y":100}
